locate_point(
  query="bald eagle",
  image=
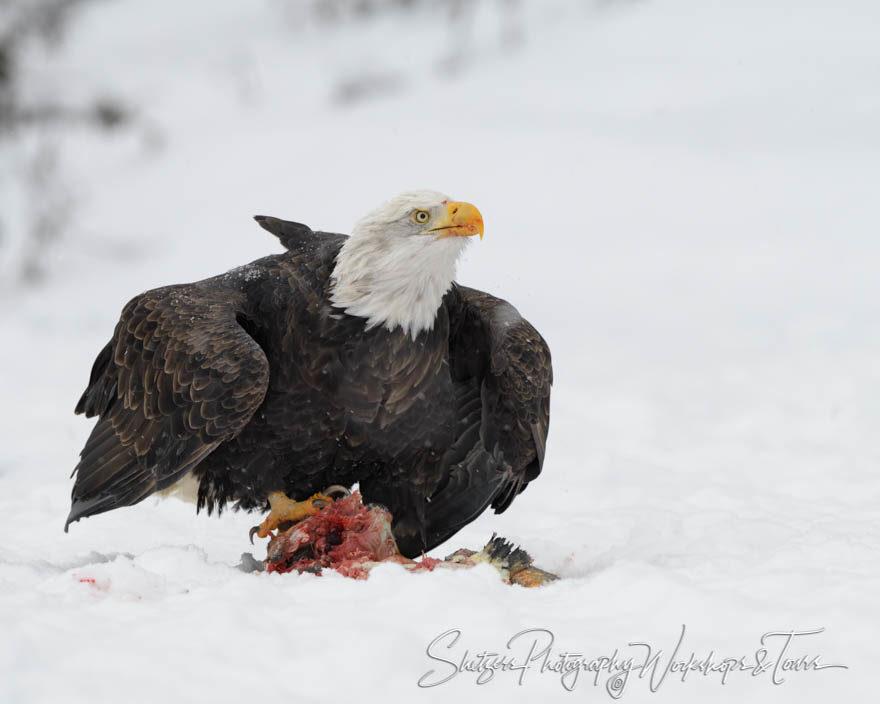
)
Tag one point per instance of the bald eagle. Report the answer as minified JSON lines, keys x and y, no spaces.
{"x":345,"y":359}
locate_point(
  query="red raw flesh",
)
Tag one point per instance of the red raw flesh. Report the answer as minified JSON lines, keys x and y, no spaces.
{"x":352,"y":539}
{"x":345,"y":536}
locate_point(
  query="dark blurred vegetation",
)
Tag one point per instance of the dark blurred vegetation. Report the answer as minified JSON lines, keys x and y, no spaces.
{"x":25,"y":21}
{"x":34,"y":125}
{"x":45,"y":200}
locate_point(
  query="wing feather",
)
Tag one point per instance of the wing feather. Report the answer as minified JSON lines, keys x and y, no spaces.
{"x":503,"y":372}
{"x":179,"y":377}
{"x":498,"y":348}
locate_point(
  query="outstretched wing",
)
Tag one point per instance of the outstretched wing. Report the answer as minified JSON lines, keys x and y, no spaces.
{"x":502,"y":369}
{"x":179,"y":377}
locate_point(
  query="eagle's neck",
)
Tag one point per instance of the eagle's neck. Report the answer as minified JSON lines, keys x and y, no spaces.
{"x":398,"y":283}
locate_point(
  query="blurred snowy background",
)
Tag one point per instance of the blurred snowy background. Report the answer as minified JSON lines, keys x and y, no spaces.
{"x":682,"y":197}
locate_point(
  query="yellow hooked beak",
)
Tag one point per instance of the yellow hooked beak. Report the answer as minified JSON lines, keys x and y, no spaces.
{"x":460,"y":220}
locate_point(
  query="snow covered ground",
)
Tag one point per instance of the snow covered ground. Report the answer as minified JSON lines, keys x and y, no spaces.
{"x":681,"y":196}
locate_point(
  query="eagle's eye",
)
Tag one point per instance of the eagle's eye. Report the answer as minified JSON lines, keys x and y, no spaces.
{"x":421,"y":216}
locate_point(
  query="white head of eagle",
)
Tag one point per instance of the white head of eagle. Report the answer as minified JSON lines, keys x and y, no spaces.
{"x":400,"y":260}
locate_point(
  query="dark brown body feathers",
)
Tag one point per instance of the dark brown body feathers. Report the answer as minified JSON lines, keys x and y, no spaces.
{"x":253,"y":382}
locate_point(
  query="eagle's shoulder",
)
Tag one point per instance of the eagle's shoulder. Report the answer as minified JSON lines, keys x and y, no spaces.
{"x":494,"y":325}
{"x":297,"y":276}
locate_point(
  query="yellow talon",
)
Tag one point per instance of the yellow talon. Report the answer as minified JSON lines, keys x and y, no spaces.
{"x":286,"y":510}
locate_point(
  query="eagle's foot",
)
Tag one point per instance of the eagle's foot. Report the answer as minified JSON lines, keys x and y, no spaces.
{"x":286,"y":510}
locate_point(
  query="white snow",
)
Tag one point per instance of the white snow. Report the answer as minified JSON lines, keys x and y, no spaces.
{"x":682,"y":197}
